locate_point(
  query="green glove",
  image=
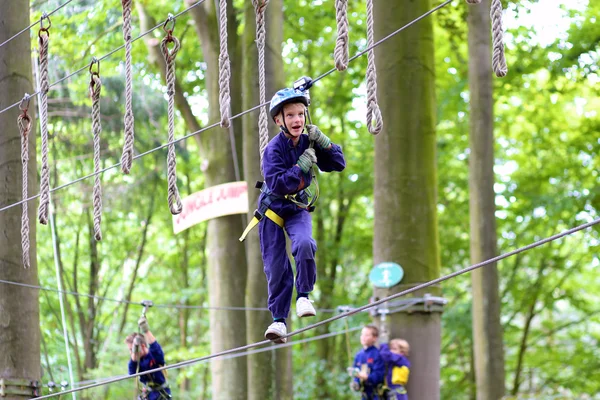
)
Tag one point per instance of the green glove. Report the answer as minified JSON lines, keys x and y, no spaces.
{"x":307,"y":159}
{"x":315,"y":134}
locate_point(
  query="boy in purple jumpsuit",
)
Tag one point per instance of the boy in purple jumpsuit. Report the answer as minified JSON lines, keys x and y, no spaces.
{"x":368,"y":365}
{"x":286,"y":165}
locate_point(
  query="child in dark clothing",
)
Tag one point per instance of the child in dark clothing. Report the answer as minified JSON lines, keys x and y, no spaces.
{"x":146,"y":352}
{"x":397,"y":368}
{"x":369,"y":364}
{"x":286,"y":165}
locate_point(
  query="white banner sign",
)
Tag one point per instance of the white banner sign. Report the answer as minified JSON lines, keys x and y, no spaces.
{"x":217,"y":201}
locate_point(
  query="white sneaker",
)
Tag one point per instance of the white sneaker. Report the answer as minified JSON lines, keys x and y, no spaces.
{"x":304,"y":308}
{"x":275,"y":331}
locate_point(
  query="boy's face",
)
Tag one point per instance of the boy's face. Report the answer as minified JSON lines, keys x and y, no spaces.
{"x":395,"y":348}
{"x":367,"y":339}
{"x":293,"y":116}
{"x":143,"y":349}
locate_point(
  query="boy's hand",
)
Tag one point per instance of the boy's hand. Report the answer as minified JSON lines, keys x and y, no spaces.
{"x":307,"y":159}
{"x":315,"y":134}
{"x":143,"y":324}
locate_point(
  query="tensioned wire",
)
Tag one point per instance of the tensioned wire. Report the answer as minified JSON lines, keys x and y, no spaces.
{"x":35,"y":23}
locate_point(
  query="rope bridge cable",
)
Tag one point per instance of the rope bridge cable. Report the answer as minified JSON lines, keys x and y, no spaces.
{"x":176,"y":306}
{"x":348,"y":313}
{"x":214,"y":125}
{"x":243,"y":354}
{"x":107,"y":55}
{"x":34,"y":24}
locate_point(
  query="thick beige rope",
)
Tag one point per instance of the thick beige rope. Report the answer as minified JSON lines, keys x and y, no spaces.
{"x":260,"y":7}
{"x":127,"y":157}
{"x":95,"y":86}
{"x":44,"y":87}
{"x":498,"y":59}
{"x":340,"y":53}
{"x":24,"y":123}
{"x":374,"y":118}
{"x":224,"y":67}
{"x":173,"y":193}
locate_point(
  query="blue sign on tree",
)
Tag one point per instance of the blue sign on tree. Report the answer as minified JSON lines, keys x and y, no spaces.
{"x":386,"y":275}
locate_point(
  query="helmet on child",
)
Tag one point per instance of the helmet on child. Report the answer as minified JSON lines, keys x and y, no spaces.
{"x":286,"y":96}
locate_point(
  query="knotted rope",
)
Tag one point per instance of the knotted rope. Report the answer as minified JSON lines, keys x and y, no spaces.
{"x":24,"y":123}
{"x":373,"y":111}
{"x":340,"y":54}
{"x":127,"y":157}
{"x":224,"y":67}
{"x":260,"y":7}
{"x":498,"y":60}
{"x":95,"y":86}
{"x":44,"y":87}
{"x":173,"y":193}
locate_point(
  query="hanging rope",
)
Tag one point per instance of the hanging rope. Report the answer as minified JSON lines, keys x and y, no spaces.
{"x":224,"y":67}
{"x":216,"y":124}
{"x":24,"y":123}
{"x":498,"y":60}
{"x":260,"y":7}
{"x":95,"y":86}
{"x":127,"y":157}
{"x":173,"y":193}
{"x":44,"y":87}
{"x":340,"y":54}
{"x":373,"y":111}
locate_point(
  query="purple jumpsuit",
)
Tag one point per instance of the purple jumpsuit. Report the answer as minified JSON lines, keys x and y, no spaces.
{"x":283,"y":176}
{"x":392,"y":362}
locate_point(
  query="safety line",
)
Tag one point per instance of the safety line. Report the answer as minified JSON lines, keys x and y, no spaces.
{"x":347,"y":314}
{"x":105,"y":56}
{"x":247,"y":353}
{"x":177,"y":306}
{"x":216,"y":123}
{"x":35,"y":23}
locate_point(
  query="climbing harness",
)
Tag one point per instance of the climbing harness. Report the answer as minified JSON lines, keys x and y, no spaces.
{"x":305,"y":198}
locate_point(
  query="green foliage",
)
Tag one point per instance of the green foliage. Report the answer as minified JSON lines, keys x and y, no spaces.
{"x":547,"y":181}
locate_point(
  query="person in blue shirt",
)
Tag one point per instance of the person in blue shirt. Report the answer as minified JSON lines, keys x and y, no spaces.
{"x":397,"y":367}
{"x":287,"y":162}
{"x":146,"y":352}
{"x":368,"y":365}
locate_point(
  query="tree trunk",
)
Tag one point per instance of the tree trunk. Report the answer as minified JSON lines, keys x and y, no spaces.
{"x":19,"y":306}
{"x":227,"y":258}
{"x":260,"y":366}
{"x":406,"y":179}
{"x":487,"y":331}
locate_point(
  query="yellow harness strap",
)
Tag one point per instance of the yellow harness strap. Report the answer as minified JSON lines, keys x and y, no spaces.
{"x":269,"y":214}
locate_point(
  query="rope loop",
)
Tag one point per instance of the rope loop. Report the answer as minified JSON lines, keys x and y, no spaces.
{"x":24,"y":124}
{"x":128,"y":119}
{"x":174,"y":200}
